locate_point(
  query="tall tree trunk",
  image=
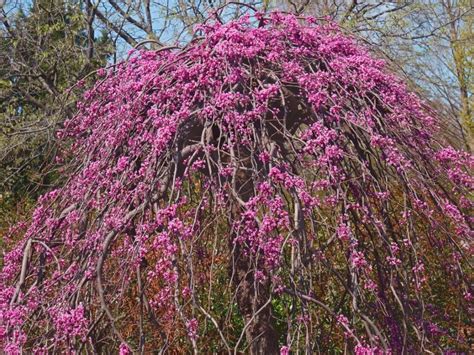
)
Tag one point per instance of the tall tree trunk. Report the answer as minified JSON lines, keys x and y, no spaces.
{"x":460,"y":70}
{"x":253,"y":299}
{"x":252,"y":296}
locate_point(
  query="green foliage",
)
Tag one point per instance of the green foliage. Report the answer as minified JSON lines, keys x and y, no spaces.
{"x":43,"y":52}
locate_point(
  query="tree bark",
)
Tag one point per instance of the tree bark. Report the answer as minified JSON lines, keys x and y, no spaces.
{"x":252,"y":296}
{"x":254,"y":306}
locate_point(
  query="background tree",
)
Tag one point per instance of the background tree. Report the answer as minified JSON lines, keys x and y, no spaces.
{"x":46,"y":48}
{"x":130,"y":22}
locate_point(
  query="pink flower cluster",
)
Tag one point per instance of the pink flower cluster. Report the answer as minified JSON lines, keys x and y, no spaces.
{"x":70,"y":322}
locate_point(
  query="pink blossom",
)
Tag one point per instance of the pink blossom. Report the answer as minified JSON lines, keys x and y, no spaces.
{"x":124,"y":349}
{"x":192,"y":327}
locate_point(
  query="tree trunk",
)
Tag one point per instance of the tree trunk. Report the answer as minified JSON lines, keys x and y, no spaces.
{"x":252,"y":296}
{"x":254,"y":306}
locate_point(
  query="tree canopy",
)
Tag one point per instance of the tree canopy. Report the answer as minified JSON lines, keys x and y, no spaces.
{"x":270,"y":186}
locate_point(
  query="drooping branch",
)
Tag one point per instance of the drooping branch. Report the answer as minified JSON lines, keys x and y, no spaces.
{"x":222,"y":194}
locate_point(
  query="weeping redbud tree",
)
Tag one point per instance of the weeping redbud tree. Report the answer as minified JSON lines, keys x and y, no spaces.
{"x":268,"y":188}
